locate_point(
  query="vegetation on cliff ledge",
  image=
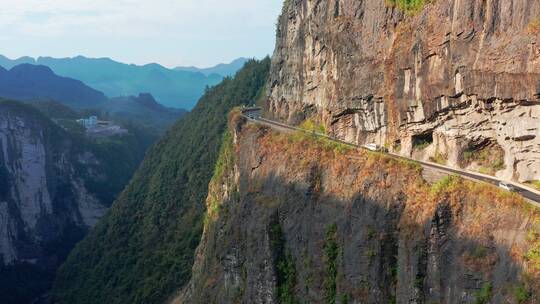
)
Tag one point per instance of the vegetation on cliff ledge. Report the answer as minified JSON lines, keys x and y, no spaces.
{"x":224,"y":165}
{"x":143,"y":249}
{"x":330,"y":249}
{"x":283,"y":263}
{"x":409,"y":6}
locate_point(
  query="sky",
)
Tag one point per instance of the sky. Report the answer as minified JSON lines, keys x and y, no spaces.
{"x":169,"y":32}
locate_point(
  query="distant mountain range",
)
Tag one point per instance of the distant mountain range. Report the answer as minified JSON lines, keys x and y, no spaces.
{"x":27,"y":82}
{"x":33,"y":83}
{"x":178,"y":88}
{"x":223,"y":69}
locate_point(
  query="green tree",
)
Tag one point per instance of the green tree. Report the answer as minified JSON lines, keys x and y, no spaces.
{"x":143,"y":249}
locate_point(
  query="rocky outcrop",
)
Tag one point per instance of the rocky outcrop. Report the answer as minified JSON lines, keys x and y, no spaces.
{"x":45,"y":206}
{"x":464,"y":72}
{"x":296,"y":220}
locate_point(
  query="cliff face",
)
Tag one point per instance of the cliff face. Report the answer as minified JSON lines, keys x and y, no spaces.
{"x":462,"y":75}
{"x":295,"y":220}
{"x":45,"y":206}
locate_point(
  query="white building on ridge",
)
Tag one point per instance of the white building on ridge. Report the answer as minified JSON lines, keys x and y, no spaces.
{"x":89,"y":122}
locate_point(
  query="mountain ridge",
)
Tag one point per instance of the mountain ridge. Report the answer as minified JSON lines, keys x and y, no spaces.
{"x":28,"y":82}
{"x":171,"y":87}
{"x":34,"y":83}
{"x":223,"y":69}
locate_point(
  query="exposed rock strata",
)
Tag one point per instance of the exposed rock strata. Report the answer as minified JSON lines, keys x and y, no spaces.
{"x":467,"y":71}
{"x":44,"y":204}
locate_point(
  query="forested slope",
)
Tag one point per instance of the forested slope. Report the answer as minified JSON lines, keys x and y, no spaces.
{"x":143,"y":249}
{"x":54,"y":186}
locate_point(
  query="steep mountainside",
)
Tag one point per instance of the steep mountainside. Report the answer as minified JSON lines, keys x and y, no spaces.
{"x":53,"y":187}
{"x":28,"y":82}
{"x":446,"y":80}
{"x":293,"y":219}
{"x":143,"y":249}
{"x":173,"y":88}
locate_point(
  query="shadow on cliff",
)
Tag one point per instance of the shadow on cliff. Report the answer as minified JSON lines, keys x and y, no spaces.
{"x":371,"y":248}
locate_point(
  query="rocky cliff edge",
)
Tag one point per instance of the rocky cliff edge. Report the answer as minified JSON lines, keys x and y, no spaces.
{"x":294,"y":219}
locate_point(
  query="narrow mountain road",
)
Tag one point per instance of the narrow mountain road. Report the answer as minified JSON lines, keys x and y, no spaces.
{"x":531,"y":195}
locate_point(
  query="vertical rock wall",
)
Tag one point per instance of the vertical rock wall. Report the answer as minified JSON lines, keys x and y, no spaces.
{"x":42,"y":198}
{"x":466,"y":72}
{"x":296,"y":221}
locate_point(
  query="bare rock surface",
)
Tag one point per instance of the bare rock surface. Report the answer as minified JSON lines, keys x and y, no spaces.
{"x":44,"y":204}
{"x":466,"y":72}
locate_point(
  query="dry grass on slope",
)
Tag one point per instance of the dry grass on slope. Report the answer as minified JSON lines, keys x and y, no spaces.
{"x":493,"y":218}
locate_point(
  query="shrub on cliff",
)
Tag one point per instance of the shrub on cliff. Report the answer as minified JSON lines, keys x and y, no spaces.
{"x":408,"y":6}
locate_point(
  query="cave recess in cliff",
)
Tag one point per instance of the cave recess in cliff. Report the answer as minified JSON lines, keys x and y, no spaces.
{"x":421,"y":141}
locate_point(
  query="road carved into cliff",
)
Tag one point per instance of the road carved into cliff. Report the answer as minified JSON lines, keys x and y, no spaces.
{"x":530,"y":195}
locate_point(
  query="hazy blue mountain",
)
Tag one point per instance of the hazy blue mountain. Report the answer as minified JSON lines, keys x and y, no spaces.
{"x":9,"y":63}
{"x":173,"y":88}
{"x":223,"y":69}
{"x":142,"y":109}
{"x":35,"y":83}
{"x":27,"y":82}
